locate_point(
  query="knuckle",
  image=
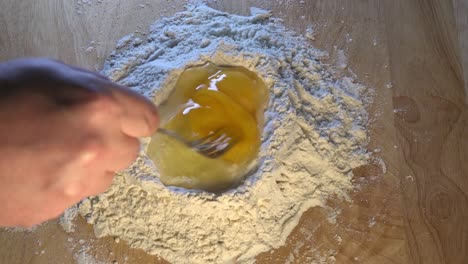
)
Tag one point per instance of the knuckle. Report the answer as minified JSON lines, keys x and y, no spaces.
{"x":102,"y":106}
{"x":91,"y":147}
{"x":73,"y":190}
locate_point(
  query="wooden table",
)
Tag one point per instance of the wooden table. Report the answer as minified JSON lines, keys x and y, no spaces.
{"x":412,"y":53}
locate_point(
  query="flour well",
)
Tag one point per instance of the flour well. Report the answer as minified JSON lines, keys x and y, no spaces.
{"x":314,"y":135}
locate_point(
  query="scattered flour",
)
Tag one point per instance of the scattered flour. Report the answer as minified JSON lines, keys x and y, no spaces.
{"x":372,"y":222}
{"x":314,"y":135}
{"x":310,"y":33}
{"x":82,"y":256}
{"x":81,"y":5}
{"x":22,"y":229}
{"x":341,"y":61}
{"x":67,"y":219}
{"x":82,"y":249}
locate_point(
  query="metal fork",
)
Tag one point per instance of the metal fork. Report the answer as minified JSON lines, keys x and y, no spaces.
{"x":212,"y":146}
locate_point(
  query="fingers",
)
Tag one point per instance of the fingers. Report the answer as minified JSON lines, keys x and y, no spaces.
{"x":93,"y":184}
{"x":140,"y":117}
{"x":121,"y":153}
{"x":83,"y":185}
{"x":105,"y":180}
{"x":118,"y":116}
{"x":77,"y":145}
{"x":86,"y":71}
{"x":92,"y":168}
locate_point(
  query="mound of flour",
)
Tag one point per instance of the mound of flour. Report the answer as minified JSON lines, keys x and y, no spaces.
{"x":314,"y":135}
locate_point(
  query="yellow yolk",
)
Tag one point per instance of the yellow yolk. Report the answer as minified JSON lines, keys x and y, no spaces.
{"x":210,"y":98}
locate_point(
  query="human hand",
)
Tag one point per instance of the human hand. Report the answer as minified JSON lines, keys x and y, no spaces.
{"x":64,"y":131}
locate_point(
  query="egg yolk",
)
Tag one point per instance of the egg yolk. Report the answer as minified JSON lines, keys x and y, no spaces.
{"x":206,"y":99}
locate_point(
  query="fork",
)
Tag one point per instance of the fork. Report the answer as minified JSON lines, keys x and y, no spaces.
{"x":212,"y":146}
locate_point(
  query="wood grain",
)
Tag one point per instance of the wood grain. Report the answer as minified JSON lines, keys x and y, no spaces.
{"x":431,"y":115}
{"x":410,"y":203}
{"x":461,"y":9}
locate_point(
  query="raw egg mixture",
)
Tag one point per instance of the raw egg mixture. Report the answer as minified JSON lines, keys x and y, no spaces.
{"x":207,"y":99}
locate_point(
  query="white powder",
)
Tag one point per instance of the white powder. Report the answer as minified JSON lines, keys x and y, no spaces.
{"x":67,"y":219}
{"x":23,"y":229}
{"x":314,"y":135}
{"x":83,"y":256}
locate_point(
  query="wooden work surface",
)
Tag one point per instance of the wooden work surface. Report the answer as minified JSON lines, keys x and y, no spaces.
{"x":412,"y":53}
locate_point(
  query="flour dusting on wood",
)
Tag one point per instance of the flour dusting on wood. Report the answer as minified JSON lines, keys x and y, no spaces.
{"x":315,"y":134}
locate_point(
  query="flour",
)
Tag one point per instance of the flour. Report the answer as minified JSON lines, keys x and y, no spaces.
{"x":314,"y":135}
{"x":83,"y":255}
{"x":23,"y":229}
{"x":66,"y":220}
